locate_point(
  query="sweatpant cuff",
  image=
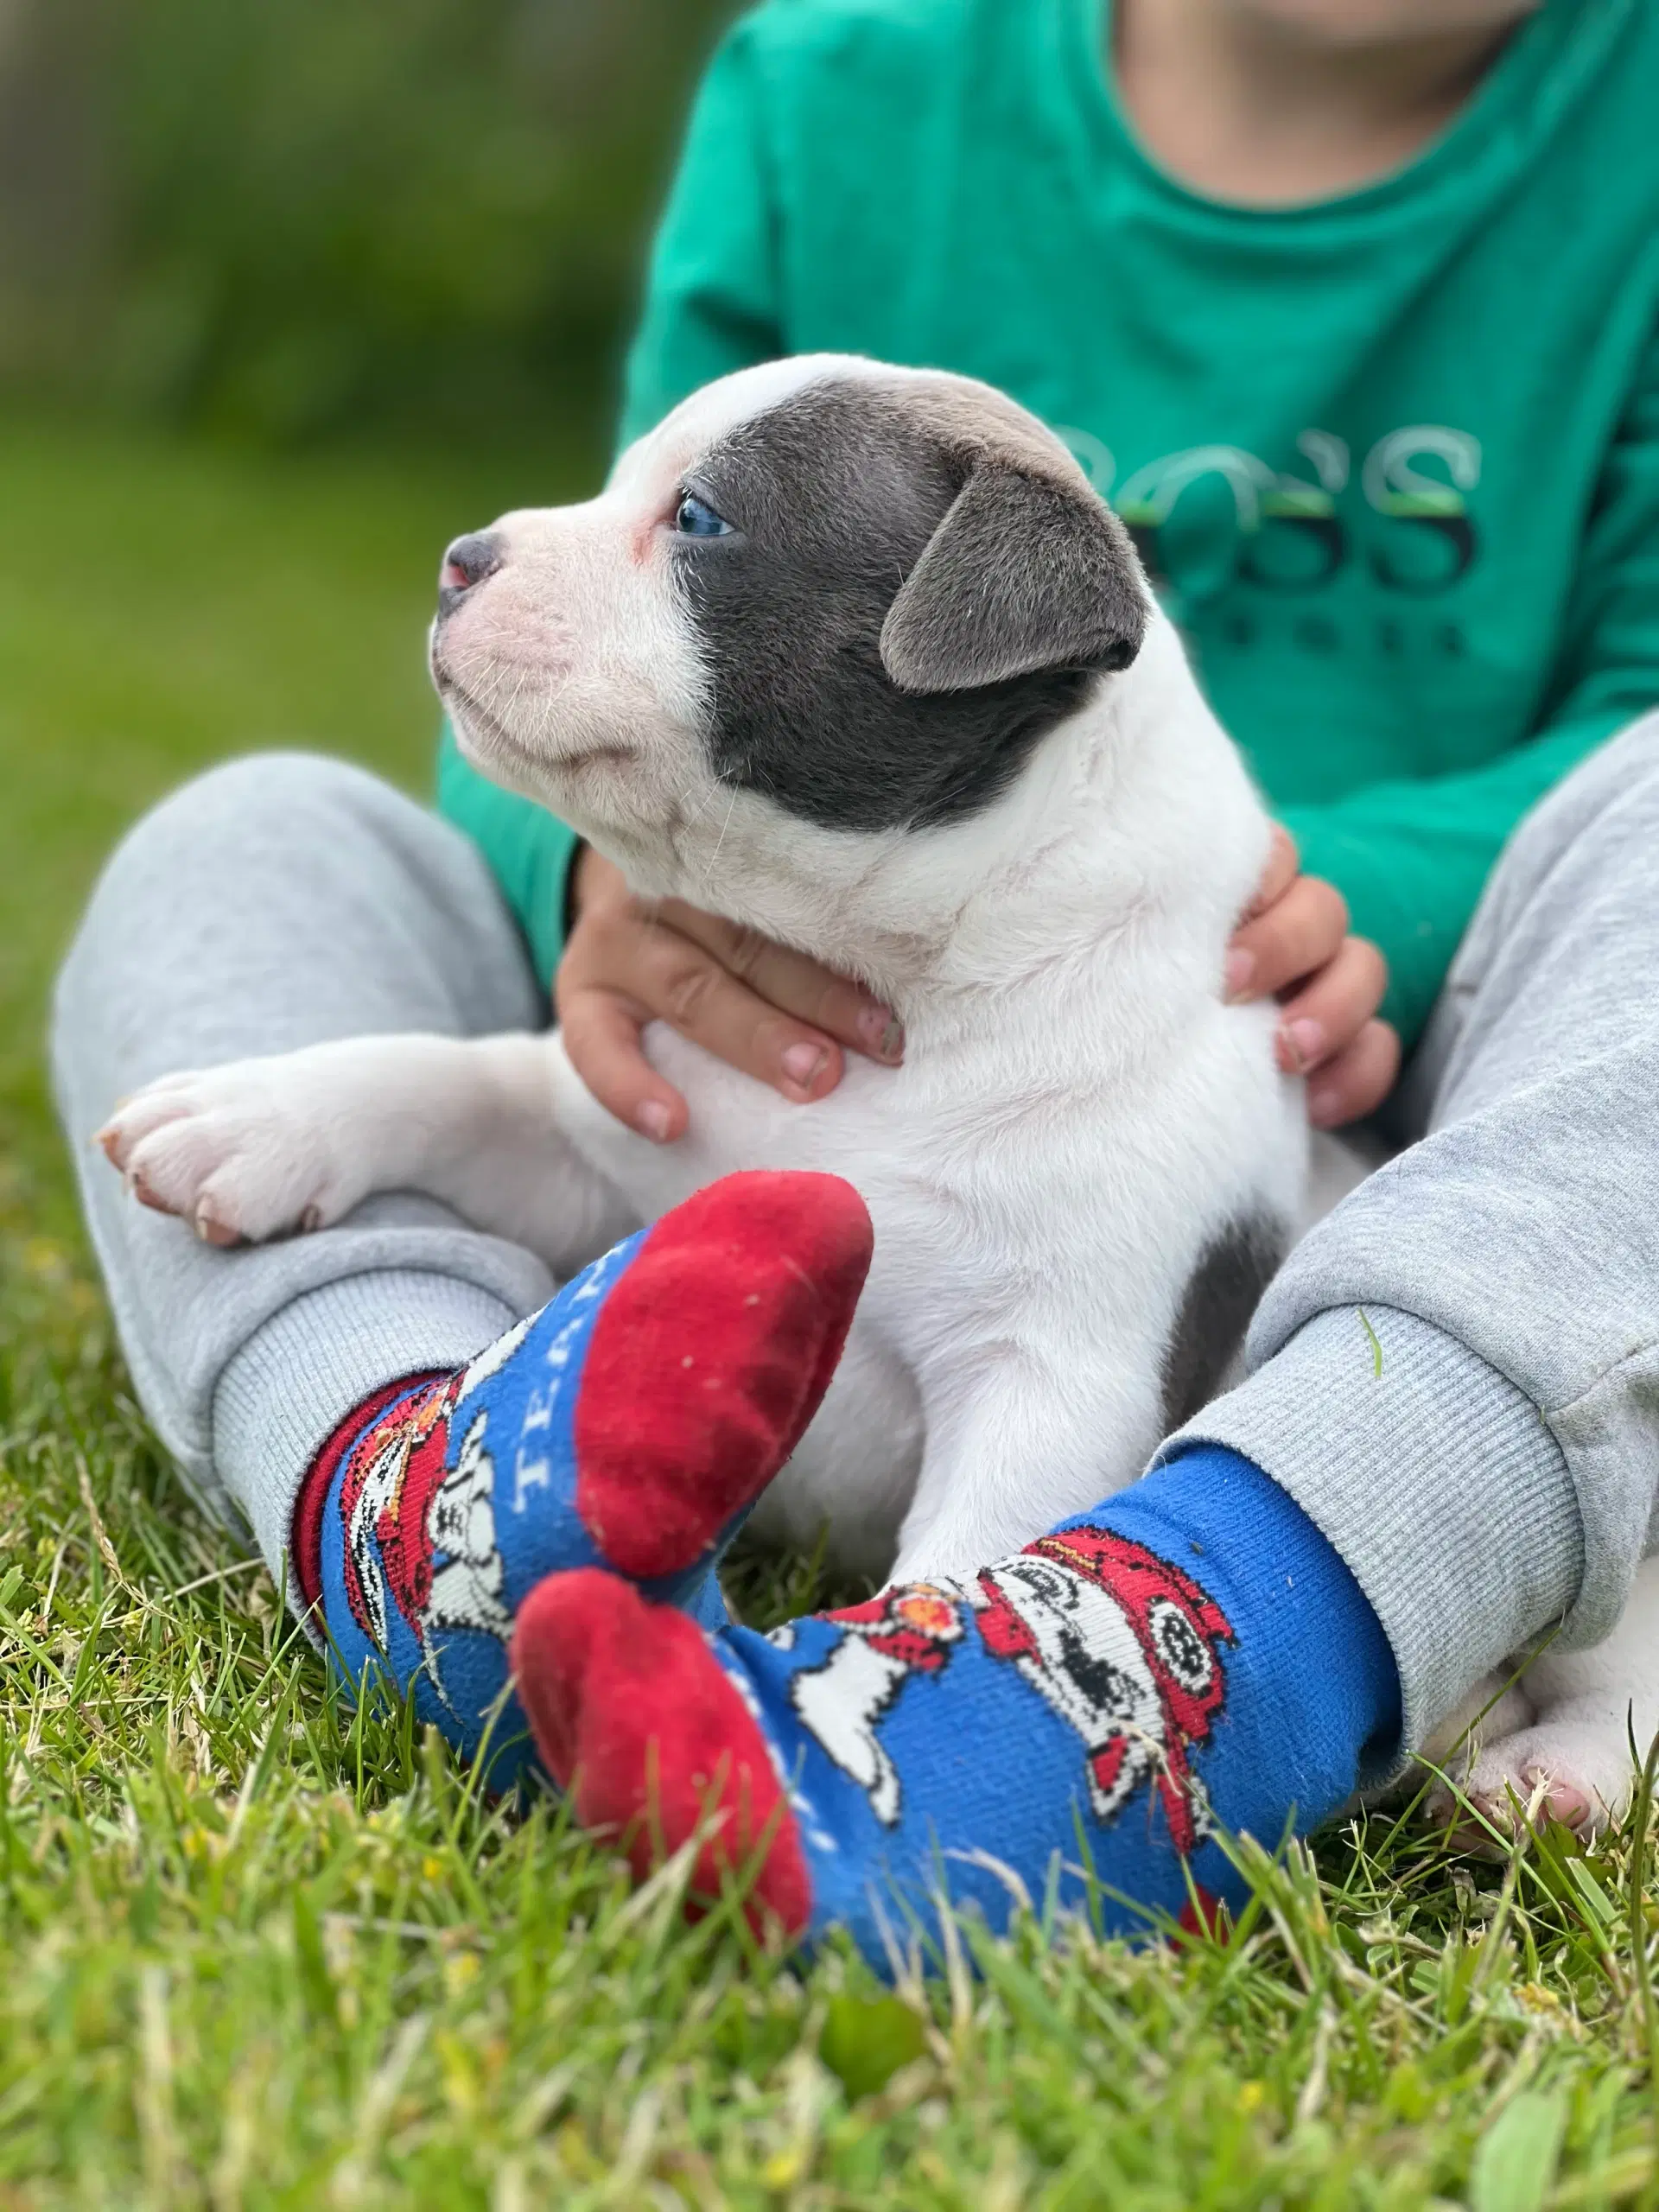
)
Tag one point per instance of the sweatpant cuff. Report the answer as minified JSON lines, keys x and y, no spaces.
{"x":295,"y":1380}
{"x":1433,"y":1477}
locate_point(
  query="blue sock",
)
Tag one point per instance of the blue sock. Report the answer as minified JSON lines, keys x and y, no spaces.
{"x":630,"y":1425}
{"x":1192,"y":1653}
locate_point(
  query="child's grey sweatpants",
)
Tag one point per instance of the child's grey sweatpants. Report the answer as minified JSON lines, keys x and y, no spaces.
{"x":1456,"y":1374}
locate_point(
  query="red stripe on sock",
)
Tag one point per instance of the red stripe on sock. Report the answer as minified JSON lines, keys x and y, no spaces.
{"x":308,"y":1509}
{"x":633,"y":1714}
{"x":710,"y":1357}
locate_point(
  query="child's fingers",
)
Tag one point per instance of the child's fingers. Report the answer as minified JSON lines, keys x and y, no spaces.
{"x":612,"y":931}
{"x":1356,"y":1082}
{"x":759,"y":1006}
{"x":1301,"y":931}
{"x":1284,"y":864}
{"x":686,"y":987}
{"x":1324,"y":1016}
{"x":794,"y":983}
{"x":649,"y":971}
{"x":601,"y":1035}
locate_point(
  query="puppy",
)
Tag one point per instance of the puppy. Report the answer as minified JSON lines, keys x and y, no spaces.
{"x":855,"y":656}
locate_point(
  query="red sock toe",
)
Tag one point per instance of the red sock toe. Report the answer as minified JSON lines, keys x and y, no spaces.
{"x":709,"y":1359}
{"x":628,"y":1702}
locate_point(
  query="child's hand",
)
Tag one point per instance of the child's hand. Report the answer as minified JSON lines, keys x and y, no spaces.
{"x":1294,"y":945}
{"x":772,"y":1013}
{"x":784,"y":1019}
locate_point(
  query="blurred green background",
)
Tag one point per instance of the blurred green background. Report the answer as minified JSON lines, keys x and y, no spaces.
{"x":291,"y":291}
{"x":294,"y":218}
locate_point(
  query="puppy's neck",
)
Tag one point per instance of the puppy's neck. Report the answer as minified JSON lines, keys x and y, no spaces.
{"x":1133,"y":832}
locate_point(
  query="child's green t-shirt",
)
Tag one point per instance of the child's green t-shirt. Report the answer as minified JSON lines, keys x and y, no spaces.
{"x":1392,"y":460}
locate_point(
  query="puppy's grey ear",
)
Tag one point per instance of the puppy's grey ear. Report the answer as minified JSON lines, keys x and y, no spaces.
{"x":1026,"y":571}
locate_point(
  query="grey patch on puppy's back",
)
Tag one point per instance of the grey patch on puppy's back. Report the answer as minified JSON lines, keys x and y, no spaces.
{"x":853,"y":501}
{"x":1221,"y":1294}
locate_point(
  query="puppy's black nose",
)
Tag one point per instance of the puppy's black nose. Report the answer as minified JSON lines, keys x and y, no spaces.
{"x":466,"y":563}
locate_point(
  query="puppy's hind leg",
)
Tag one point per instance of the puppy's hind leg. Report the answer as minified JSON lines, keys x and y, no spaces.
{"x":1589,"y":1709}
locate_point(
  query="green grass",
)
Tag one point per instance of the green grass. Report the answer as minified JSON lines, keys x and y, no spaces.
{"x":261,"y":1952}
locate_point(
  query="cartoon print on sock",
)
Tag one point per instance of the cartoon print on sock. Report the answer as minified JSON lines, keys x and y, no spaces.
{"x":1122,"y":1645}
{"x":422,"y":1531}
{"x":1119,"y":1643}
{"x":465,"y":1590}
{"x":904,"y":1631}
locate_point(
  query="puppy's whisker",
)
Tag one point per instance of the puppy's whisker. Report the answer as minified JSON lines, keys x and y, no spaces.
{"x":525,"y":677}
{"x":487,"y":686}
{"x":710,"y":869}
{"x":521,"y":680}
{"x":679,"y":832}
{"x":702,"y":805}
{"x":552,"y":691}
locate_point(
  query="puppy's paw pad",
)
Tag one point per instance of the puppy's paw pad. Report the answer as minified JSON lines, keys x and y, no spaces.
{"x":1564,"y":1801}
{"x":1539,"y":1775}
{"x":1478,"y":1827}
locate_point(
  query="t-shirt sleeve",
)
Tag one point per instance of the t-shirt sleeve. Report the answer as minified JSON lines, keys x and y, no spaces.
{"x":1412,"y":858}
{"x":528,"y":851}
{"x":710,"y":307}
{"x":712,"y":300}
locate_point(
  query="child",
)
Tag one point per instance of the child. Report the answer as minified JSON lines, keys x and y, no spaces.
{"x":1350,"y":306}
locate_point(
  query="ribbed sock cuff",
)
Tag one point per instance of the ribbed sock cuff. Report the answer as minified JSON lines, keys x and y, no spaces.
{"x":289,"y":1386}
{"x":1310,"y":1651}
{"x":1436,"y":1480}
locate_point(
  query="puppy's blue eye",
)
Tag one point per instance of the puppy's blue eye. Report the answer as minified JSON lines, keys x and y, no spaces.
{"x":694,"y":518}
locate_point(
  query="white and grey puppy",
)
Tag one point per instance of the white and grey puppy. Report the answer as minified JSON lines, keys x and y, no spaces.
{"x":854,"y":655}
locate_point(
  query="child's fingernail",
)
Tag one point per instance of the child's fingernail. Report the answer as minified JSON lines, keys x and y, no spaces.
{"x":805,"y":1064}
{"x":882,"y":1033}
{"x":1300,"y":1043}
{"x":1236,"y":972}
{"x":653,"y":1121}
{"x":1323,"y":1108}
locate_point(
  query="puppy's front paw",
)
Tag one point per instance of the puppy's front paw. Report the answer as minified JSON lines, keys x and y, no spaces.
{"x":1574,"y":1771}
{"x":227,"y":1151}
